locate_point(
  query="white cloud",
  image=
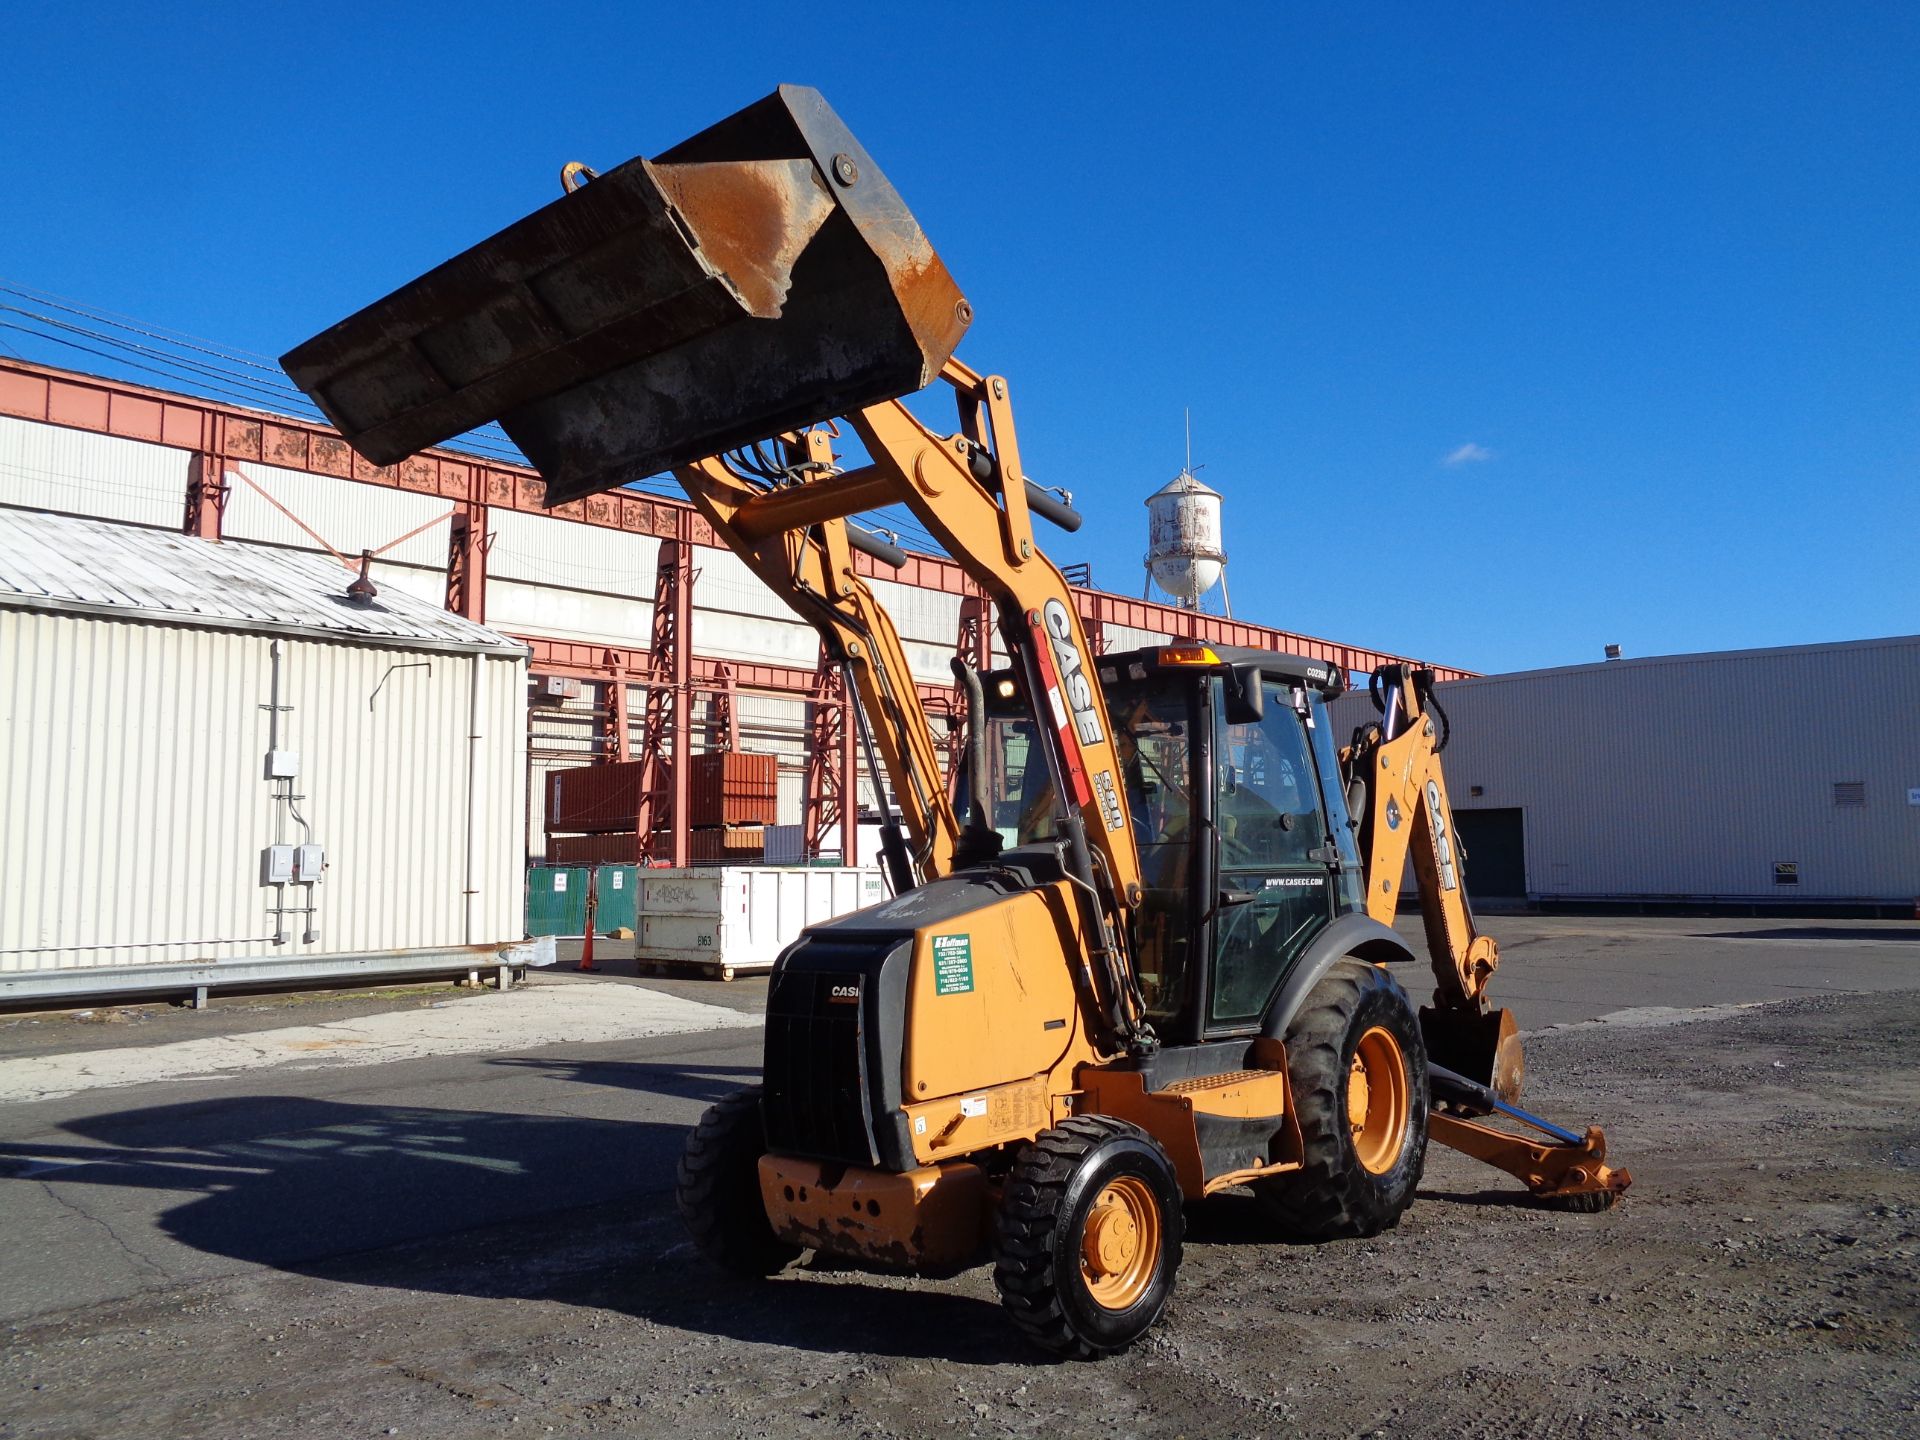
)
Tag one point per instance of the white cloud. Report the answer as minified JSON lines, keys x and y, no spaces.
{"x":1468,"y":454}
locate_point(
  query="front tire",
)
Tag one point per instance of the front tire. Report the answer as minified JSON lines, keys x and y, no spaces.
{"x":719,"y":1189}
{"x":1089,"y":1234}
{"x":1358,"y":1069}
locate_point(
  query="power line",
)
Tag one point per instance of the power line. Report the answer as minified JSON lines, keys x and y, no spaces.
{"x":105,"y":318}
{"x":203,"y":366}
{"x":35,"y":293}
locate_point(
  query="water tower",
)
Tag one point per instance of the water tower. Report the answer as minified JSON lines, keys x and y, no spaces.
{"x":1184,"y":553}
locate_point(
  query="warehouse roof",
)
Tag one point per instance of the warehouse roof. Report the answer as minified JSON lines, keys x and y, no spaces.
{"x":1693,"y":657}
{"x":74,"y":566}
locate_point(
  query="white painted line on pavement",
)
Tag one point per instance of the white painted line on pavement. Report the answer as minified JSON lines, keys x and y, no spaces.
{"x":523,"y":1019}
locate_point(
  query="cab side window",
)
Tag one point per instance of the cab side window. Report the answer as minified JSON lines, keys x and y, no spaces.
{"x":1154,"y":736}
{"x":1276,"y":890}
{"x":1269,"y":804}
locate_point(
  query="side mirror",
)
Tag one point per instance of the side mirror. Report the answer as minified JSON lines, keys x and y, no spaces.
{"x":1246,"y":696}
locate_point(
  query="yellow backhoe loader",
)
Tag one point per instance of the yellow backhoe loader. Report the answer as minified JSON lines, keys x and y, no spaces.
{"x":1139,"y":949}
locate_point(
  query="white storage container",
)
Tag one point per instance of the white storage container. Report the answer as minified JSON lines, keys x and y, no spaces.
{"x":731,"y":918}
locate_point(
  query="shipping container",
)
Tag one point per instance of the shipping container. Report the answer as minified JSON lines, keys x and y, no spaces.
{"x":734,"y":787}
{"x":734,"y":918}
{"x":724,"y":788}
{"x":740,"y":844}
{"x":597,"y":799}
{"x":593,"y":849}
{"x":786,"y":844}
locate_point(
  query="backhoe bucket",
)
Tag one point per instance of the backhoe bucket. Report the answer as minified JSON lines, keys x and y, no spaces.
{"x":1484,"y":1048}
{"x":756,"y":279}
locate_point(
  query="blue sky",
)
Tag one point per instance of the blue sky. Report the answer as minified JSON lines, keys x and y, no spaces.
{"x":1507,"y":331}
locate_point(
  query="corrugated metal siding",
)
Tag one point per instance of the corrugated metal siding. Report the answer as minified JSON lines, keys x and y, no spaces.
{"x":770,"y":725}
{"x":46,"y":467}
{"x":569,"y":614}
{"x":543,"y":551}
{"x":930,"y":616}
{"x":137,"y":808}
{"x":564,"y":735}
{"x":350,"y":517}
{"x":728,"y":636}
{"x":1125,"y":637}
{"x":1693,"y":775}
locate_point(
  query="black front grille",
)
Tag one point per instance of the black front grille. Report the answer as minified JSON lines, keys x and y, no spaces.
{"x":817,"y":1101}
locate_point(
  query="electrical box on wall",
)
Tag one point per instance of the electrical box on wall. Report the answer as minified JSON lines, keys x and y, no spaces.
{"x":308,"y":862}
{"x":283,"y":764}
{"x":276,"y":865}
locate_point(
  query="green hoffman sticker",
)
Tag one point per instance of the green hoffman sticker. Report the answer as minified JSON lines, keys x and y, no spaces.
{"x":952,"y":964}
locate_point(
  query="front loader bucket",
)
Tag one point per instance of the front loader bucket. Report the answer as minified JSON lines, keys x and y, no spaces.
{"x":758,"y":278}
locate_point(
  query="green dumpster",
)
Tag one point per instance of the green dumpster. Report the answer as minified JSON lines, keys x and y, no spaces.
{"x":557,"y":899}
{"x":614,"y":901}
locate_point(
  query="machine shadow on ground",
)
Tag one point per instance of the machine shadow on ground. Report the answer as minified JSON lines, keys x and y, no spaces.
{"x":561,"y":1209}
{"x":507,"y":1207}
{"x":706,"y":1083}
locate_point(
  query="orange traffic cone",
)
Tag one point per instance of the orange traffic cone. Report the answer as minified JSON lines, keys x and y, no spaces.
{"x":593,"y":895}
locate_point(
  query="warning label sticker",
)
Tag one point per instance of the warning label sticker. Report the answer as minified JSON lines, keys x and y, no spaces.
{"x":952,"y":964}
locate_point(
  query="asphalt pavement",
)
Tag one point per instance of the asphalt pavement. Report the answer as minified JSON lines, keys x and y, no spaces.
{"x":297,"y":1164}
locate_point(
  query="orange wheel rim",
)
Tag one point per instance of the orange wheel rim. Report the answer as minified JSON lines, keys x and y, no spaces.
{"x":1120,"y":1243}
{"x":1377,"y":1101}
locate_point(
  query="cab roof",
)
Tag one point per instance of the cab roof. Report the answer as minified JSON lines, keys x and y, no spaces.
{"x":1322,"y":675}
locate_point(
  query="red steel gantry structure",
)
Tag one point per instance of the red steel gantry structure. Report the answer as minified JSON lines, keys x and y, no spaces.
{"x":219,"y":437}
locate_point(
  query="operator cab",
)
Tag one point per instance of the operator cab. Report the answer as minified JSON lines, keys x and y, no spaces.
{"x":1234,"y":789}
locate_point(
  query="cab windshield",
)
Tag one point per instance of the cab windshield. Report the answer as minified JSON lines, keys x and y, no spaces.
{"x":1153,"y":734}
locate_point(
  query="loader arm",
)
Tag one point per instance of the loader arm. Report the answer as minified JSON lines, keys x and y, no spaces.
{"x":811,"y":568}
{"x":970,"y":493}
{"x":674,"y":314}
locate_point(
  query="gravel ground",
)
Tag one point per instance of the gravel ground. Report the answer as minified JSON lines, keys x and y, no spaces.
{"x":1760,"y":1280}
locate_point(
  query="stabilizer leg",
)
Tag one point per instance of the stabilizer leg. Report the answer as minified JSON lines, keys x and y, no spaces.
{"x":1569,"y":1171}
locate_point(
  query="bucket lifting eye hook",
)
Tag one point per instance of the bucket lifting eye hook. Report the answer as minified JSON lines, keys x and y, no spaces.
{"x":574,"y":174}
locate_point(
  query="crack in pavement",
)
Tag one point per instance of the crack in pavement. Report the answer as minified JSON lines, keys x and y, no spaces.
{"x":145,"y":1263}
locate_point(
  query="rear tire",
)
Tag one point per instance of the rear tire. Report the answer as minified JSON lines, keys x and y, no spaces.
{"x":1088,"y":1239}
{"x":1358,"y":1069}
{"x":719,"y":1189}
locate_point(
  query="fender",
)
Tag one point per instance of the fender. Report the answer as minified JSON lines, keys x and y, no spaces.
{"x":1354,"y":935}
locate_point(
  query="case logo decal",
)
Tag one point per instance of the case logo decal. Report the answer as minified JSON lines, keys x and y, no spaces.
{"x":1073,"y":675}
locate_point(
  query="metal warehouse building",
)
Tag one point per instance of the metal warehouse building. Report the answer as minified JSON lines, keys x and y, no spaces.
{"x":1751,"y":777}
{"x":644,"y":637}
{"x":219,"y":769}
